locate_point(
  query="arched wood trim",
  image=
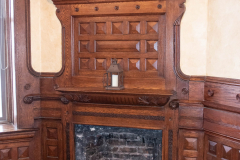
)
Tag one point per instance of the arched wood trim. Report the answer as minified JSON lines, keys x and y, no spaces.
{"x":177,"y":67}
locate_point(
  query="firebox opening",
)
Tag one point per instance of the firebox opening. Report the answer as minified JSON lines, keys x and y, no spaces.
{"x":117,"y":143}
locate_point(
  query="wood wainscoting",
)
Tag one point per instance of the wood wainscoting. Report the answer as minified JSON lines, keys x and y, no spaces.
{"x":199,"y":116}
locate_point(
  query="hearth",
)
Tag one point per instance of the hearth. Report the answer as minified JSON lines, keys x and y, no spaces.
{"x":117,"y":143}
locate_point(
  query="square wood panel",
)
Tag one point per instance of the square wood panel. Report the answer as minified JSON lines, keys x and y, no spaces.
{"x":84,"y":46}
{"x":101,"y":27}
{"x":52,"y":133}
{"x":134,"y":28}
{"x":151,"y":64}
{"x":23,"y":152}
{"x":84,"y":63}
{"x":84,"y":28}
{"x":101,"y":64}
{"x":117,"y":27}
{"x":131,"y":39}
{"x":152,"y":27}
{"x":134,"y":64}
{"x":5,"y":154}
{"x":52,"y":151}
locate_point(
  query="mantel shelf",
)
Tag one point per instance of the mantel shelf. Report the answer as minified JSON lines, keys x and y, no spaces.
{"x":146,"y":97}
{"x":145,"y":92}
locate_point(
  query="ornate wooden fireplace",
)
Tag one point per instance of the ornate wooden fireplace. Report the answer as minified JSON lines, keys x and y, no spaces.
{"x":144,"y":38}
{"x":139,"y":34}
{"x":194,"y":117}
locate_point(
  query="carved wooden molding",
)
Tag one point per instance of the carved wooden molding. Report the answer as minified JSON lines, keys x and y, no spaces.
{"x":28,"y":44}
{"x":65,"y":2}
{"x":124,"y":97}
{"x":170,"y":144}
{"x":229,"y":81}
{"x":16,"y":136}
{"x":177,"y":66}
{"x":158,"y":118}
{"x":38,"y":97}
{"x":103,"y":98}
{"x":67,"y":141}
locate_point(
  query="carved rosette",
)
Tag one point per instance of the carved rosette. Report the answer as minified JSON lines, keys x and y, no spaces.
{"x":153,"y":101}
{"x":174,"y":104}
{"x":28,"y":99}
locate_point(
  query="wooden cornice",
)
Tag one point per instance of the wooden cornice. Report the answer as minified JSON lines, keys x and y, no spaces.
{"x":65,"y":2}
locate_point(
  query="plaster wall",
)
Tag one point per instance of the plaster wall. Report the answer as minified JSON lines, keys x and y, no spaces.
{"x":223,"y":56}
{"x":210,"y":38}
{"x":46,"y":41}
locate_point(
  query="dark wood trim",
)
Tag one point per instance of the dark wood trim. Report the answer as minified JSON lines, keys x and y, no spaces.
{"x":38,"y":97}
{"x":25,"y":118}
{"x":221,"y":107}
{"x":28,"y":40}
{"x":15,"y":136}
{"x":65,"y":2}
{"x":221,"y":80}
{"x":68,"y":141}
{"x":170,"y":144}
{"x":97,"y":114}
{"x":177,"y":67}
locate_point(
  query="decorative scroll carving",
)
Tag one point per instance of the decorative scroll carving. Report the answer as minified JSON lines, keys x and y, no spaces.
{"x":158,"y":100}
{"x":174,"y":104}
{"x":158,"y":118}
{"x":68,"y":141}
{"x":37,"y":97}
{"x":170,"y":144}
{"x":151,"y":100}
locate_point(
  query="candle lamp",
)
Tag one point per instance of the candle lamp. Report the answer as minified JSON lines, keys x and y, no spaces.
{"x":113,"y":78}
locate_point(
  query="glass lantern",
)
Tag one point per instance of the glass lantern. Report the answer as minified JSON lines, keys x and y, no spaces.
{"x":113,"y":78}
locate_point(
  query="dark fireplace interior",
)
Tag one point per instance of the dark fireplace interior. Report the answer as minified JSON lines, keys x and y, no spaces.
{"x":117,"y":143}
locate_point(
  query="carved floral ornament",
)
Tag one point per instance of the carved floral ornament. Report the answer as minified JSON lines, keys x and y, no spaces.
{"x":158,"y":101}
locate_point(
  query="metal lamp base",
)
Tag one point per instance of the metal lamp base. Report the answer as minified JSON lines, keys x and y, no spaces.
{"x":114,"y":88}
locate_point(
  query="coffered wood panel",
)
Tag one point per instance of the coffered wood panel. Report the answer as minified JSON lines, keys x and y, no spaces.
{"x":190,"y":145}
{"x":136,"y":41}
{"x":219,"y":147}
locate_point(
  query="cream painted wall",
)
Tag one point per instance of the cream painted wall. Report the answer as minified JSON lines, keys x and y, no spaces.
{"x":193,"y":40}
{"x":46,"y":42}
{"x":210,"y":37}
{"x":223,"y":55}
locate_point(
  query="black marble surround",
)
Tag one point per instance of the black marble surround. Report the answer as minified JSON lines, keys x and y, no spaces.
{"x":117,"y":143}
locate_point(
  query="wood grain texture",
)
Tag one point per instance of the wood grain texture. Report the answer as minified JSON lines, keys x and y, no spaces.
{"x":191,"y":116}
{"x":25,"y":117}
{"x":190,"y":144}
{"x":119,"y":115}
{"x":52,"y":140}
{"x":222,"y":122}
{"x":124,"y":8}
{"x":224,"y":94}
{"x":220,"y":147}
